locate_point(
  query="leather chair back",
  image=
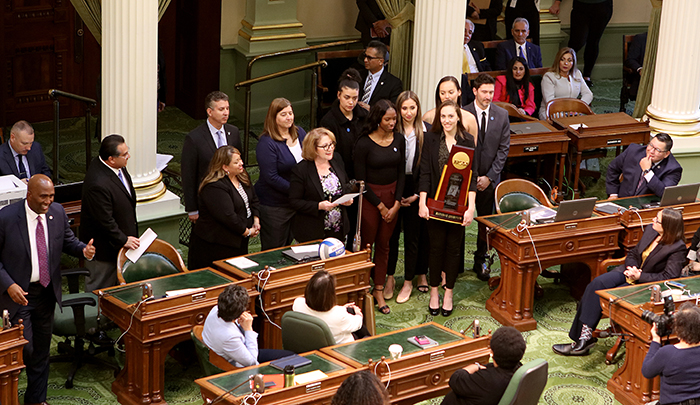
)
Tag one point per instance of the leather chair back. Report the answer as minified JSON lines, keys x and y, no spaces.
{"x":302,"y":333}
{"x":527,"y":384}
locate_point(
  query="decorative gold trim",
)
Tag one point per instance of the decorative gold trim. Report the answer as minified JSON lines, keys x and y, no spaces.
{"x":150,"y":183}
{"x":247,"y":36}
{"x":554,"y":21}
{"x":251,"y":27}
{"x":671,"y":120}
{"x":152,"y":197}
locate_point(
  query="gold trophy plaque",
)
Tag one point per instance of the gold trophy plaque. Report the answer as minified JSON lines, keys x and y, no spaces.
{"x":451,"y":198}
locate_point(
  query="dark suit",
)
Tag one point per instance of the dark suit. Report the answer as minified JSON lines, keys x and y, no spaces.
{"x":305,"y":192}
{"x":479,"y":54}
{"x":197,"y":151}
{"x":108,"y":215}
{"x":527,"y":10}
{"x":388,"y":88}
{"x":505,"y":51}
{"x":666,"y":173}
{"x":35,"y":157}
{"x":490,"y":157}
{"x":635,"y":60}
{"x":368,"y":15}
{"x":663,"y":263}
{"x":446,"y":239}
{"x":486,"y":32}
{"x":218,"y":233}
{"x":16,"y":267}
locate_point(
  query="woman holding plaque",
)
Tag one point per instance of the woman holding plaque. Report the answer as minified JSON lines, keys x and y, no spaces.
{"x":445,"y":237}
{"x":415,"y":231}
{"x":659,"y":255}
{"x":380,"y":161}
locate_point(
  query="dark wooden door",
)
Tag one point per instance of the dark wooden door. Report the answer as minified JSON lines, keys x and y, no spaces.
{"x":45,"y":46}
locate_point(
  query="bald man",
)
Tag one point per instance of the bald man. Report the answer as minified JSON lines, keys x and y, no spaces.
{"x":33,"y":234}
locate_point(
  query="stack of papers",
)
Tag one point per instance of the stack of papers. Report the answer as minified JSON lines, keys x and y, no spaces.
{"x":241,"y":262}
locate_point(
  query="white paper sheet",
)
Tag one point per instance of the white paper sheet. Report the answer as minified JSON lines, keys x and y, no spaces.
{"x":303,"y":379}
{"x":145,"y":241}
{"x":578,"y":126}
{"x":241,"y":262}
{"x":184,"y":291}
{"x":300,"y":249}
{"x":162,"y":161}
{"x":345,"y":198}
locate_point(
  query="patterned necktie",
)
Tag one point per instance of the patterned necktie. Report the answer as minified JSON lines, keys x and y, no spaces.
{"x":42,"y":254}
{"x":22,"y":169}
{"x":640,"y":185}
{"x":221,"y":140}
{"x":368,"y":86}
{"x":121,"y":178}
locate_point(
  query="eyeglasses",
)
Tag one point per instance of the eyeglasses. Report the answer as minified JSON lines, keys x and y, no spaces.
{"x":656,"y":220}
{"x":656,"y":149}
{"x":365,"y":56}
{"x":327,"y":147}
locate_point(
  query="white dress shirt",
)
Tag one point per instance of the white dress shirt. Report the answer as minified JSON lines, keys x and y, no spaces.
{"x":339,"y":320}
{"x":31,"y":228}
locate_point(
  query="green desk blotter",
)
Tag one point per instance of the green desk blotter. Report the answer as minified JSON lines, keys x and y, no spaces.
{"x":635,"y":202}
{"x":692,"y":284}
{"x":203,"y":278}
{"x":273,"y":258}
{"x":228,"y":381}
{"x":363,"y":350}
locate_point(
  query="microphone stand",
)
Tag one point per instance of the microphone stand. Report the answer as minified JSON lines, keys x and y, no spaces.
{"x":357,"y":244}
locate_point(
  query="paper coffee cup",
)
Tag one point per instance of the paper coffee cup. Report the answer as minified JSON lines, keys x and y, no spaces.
{"x":395,"y":351}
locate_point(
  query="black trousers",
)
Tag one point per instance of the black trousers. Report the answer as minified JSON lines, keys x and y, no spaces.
{"x":527,"y":10}
{"x":415,"y":239}
{"x":485,"y":201}
{"x":445,"y":240}
{"x":589,"y":311}
{"x":588,"y":22}
{"x":37,"y":317}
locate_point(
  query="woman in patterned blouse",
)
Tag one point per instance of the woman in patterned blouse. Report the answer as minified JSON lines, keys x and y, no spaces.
{"x":316,"y":182}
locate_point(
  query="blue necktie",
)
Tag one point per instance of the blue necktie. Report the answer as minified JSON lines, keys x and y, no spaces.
{"x":121,"y":178}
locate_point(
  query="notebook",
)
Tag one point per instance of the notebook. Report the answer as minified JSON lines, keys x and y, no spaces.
{"x":293,"y":360}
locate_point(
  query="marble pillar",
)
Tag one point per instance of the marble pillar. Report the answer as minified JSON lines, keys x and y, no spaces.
{"x":438,"y":38}
{"x":269,"y":26}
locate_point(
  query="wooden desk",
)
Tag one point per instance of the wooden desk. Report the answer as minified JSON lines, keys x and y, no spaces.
{"x":627,"y":383}
{"x":317,"y":392}
{"x":420,"y":373}
{"x":12,"y":342}
{"x":158,"y":325}
{"x":602,"y":131}
{"x":587,"y":241}
{"x":552,"y":142}
{"x":633,"y":228}
{"x":287,"y":280}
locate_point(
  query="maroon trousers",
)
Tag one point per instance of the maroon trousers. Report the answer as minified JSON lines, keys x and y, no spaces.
{"x":376,"y":231}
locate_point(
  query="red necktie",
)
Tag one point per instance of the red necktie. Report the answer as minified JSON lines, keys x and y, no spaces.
{"x":43,"y":255}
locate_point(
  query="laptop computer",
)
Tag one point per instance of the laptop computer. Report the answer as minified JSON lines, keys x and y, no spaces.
{"x":301,"y":257}
{"x":532,"y":127}
{"x":675,"y":195}
{"x":572,"y":210}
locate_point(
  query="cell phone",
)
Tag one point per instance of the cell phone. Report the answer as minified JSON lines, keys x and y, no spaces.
{"x":675,"y":284}
{"x":422,"y":340}
{"x":269,"y":384}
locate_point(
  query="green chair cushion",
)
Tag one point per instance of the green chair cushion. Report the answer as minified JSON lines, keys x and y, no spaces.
{"x":527,"y":384}
{"x":203,"y":355}
{"x":150,"y":265}
{"x":64,"y":325}
{"x":302,"y":333}
{"x":517,"y":201}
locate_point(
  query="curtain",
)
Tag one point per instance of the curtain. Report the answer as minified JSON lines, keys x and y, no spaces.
{"x":400,"y":13}
{"x":646,"y":83}
{"x":90,"y":11}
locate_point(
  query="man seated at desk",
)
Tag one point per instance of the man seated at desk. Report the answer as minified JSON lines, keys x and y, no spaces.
{"x":644,"y":170}
{"x":22,"y":156}
{"x":228,"y":331}
{"x":479,"y":384}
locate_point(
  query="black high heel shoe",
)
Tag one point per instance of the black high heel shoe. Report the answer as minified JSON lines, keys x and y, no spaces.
{"x":433,"y":311}
{"x":445,"y":312}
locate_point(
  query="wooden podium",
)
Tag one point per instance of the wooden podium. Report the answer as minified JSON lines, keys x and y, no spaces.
{"x":12,"y":342}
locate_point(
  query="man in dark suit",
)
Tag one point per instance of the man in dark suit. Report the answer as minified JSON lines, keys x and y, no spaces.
{"x":474,"y":57}
{"x":644,"y":170}
{"x":518,"y":46}
{"x":378,"y":83}
{"x":371,"y":22}
{"x":200,"y":145}
{"x":526,"y":9}
{"x":493,"y":143}
{"x":108,"y":211}
{"x":21,"y":156}
{"x":33,"y":234}
{"x":635,"y":60}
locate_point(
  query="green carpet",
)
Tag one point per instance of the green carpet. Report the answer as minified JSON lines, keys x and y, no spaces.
{"x":571,"y":380}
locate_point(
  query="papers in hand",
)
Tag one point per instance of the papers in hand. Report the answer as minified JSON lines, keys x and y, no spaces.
{"x":241,"y":262}
{"x":345,"y":198}
{"x":301,"y":249}
{"x":162,"y":161}
{"x":144,"y":242}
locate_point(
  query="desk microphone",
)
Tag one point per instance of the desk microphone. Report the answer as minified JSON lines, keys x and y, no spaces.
{"x":613,"y":301}
{"x":257,"y":388}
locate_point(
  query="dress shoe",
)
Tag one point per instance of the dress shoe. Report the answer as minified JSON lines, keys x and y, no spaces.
{"x":563,"y":349}
{"x":482,"y":271}
{"x":433,"y":311}
{"x":446,"y":312}
{"x":583,"y":346}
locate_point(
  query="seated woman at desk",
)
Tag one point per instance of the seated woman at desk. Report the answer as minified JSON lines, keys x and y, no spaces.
{"x":658,"y":256}
{"x":228,"y":211}
{"x":563,"y":80}
{"x":316,"y":181}
{"x":228,"y":331}
{"x":515,"y":87}
{"x":319,"y":300}
{"x":678,"y":364}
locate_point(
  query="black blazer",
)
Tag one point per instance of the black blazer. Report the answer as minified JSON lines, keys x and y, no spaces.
{"x":663,"y":263}
{"x":494,"y":151}
{"x":16,"y":262}
{"x":479,"y":54}
{"x":305,"y":192}
{"x":108,"y":211}
{"x":35,"y":157}
{"x":388,"y":88}
{"x":430,"y":169}
{"x":222,"y":213}
{"x":197,"y":151}
{"x":368,"y":15}
{"x":346,"y":132}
